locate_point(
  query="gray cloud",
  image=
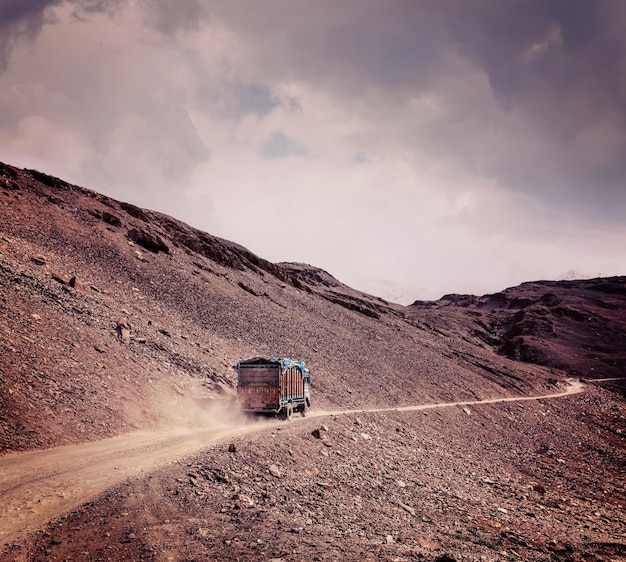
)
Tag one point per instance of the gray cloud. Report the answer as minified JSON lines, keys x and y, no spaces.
{"x":561,"y":65}
{"x":557,"y":65}
{"x":12,"y":11}
{"x":172,"y":16}
{"x":22,"y":20}
{"x":250,"y":99}
{"x":280,"y":145}
{"x":476,"y":123}
{"x":352,"y":46}
{"x":19,"y":20}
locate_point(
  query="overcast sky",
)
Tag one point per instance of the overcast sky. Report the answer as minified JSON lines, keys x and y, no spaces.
{"x":409,"y":147}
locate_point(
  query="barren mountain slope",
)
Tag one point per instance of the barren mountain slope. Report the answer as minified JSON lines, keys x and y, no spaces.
{"x":160,"y":312}
{"x":115,"y":318}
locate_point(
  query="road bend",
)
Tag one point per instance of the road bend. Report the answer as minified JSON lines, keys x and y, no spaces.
{"x":39,"y":486}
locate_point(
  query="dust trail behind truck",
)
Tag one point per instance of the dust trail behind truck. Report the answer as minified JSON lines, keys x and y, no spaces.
{"x":273,"y":386}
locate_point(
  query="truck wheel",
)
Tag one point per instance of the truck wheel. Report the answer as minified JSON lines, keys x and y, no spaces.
{"x":288,"y":412}
{"x":304,"y":409}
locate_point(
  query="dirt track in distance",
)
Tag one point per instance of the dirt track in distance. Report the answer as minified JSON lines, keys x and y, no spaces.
{"x":39,"y":486}
{"x":574,"y":387}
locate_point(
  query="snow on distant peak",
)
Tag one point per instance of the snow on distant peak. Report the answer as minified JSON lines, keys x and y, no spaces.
{"x":392,"y":291}
{"x":576,"y":274}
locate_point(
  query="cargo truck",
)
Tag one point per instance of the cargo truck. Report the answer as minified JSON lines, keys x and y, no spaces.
{"x":273,"y":386}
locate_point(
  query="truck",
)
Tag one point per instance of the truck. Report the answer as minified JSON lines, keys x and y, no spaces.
{"x":273,"y":385}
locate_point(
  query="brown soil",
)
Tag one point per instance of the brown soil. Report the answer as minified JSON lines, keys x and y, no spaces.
{"x":119,"y":328}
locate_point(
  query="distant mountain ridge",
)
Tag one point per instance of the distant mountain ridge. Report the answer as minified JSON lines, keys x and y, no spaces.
{"x":578,"y":326}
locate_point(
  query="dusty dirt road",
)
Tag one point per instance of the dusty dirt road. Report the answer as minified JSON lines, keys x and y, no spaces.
{"x":573,"y":387}
{"x":39,"y":486}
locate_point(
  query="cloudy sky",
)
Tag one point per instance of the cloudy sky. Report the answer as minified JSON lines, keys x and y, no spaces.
{"x":409,"y":147}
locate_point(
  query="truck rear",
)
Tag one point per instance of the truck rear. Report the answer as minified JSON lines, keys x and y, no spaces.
{"x":273,"y":386}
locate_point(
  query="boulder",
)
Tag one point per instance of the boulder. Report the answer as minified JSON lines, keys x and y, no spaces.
{"x":123,"y":330}
{"x":76,"y":284}
{"x":147,"y":240}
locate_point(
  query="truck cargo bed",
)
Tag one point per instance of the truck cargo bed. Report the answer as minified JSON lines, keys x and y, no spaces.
{"x":273,"y":385}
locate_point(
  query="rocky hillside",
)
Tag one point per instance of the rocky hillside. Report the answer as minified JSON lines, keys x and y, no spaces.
{"x":113,"y":315}
{"x":114,"y":318}
{"x":575,"y":326}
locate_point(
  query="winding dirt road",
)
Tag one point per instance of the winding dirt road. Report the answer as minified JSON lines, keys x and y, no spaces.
{"x":39,"y":486}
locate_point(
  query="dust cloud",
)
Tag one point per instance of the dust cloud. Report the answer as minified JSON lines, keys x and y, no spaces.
{"x":191,"y":408}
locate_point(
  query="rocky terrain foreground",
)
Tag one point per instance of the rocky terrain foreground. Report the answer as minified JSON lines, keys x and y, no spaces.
{"x":116,"y":319}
